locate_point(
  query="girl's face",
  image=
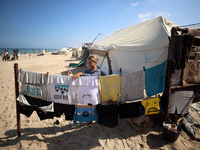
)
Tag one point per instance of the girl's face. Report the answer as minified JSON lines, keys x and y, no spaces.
{"x":91,"y":64}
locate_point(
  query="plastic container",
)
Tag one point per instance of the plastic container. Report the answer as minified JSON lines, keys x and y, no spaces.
{"x":171,"y":134}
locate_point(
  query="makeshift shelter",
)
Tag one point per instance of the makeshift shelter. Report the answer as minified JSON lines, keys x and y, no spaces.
{"x":143,"y":45}
{"x":63,"y":51}
{"x":80,"y":52}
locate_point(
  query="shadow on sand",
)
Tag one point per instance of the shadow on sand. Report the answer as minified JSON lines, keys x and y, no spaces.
{"x":82,"y":136}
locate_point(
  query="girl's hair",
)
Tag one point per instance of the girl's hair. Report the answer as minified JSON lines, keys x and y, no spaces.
{"x":93,"y":58}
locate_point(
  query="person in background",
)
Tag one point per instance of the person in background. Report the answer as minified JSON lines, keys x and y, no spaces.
{"x":92,"y":71}
{"x":7,"y":54}
{"x":14,"y":54}
{"x":17,"y":53}
{"x":4,"y":55}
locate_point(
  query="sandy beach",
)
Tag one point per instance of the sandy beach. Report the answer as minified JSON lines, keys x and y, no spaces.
{"x":36,"y":134}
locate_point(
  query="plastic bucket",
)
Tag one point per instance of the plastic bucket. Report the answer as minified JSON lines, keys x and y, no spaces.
{"x":170,"y":135}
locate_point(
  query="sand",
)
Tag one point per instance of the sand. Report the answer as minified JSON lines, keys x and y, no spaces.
{"x":36,"y":134}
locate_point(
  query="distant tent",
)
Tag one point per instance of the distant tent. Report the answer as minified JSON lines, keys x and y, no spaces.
{"x":80,"y":52}
{"x":135,"y":47}
{"x":64,"y":51}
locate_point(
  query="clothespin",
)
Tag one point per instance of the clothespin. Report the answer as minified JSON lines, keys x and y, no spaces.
{"x":98,"y":76}
{"x":47,"y":74}
{"x":144,"y":68}
{"x":120,"y":71}
{"x":20,"y":70}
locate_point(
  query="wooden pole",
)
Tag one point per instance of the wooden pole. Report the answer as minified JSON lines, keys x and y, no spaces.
{"x":17,"y":102}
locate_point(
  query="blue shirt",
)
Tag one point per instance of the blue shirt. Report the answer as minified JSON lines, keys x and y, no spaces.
{"x":88,"y":72}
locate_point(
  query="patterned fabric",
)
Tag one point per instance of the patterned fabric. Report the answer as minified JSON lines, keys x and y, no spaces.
{"x":152,"y":106}
{"x":191,"y":73}
{"x":109,"y":87}
{"x":35,"y":90}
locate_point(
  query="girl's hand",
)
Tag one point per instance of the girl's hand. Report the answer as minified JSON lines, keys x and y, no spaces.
{"x":77,"y":75}
{"x":69,"y":73}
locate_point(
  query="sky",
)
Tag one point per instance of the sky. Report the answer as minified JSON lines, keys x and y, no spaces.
{"x":70,"y":23}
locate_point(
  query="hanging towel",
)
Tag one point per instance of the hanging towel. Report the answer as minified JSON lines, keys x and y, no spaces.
{"x":132,"y":86}
{"x":32,"y":77}
{"x":110,"y":88}
{"x":87,"y":90}
{"x":155,"y":79}
{"x":180,"y":101}
{"x":35,"y":90}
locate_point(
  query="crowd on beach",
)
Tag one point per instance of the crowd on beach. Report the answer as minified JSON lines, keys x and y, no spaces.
{"x":6,"y":56}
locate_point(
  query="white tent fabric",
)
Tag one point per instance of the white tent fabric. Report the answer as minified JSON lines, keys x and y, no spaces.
{"x":64,"y":51}
{"x":132,"y":48}
{"x":80,"y":52}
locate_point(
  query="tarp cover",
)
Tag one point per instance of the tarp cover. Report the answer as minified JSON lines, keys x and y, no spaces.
{"x":132,"y":48}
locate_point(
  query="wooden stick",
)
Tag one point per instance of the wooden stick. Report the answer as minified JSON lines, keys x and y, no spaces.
{"x":17,"y":102}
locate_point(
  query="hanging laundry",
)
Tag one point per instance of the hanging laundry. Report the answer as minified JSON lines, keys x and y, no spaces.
{"x":132,"y":86}
{"x":44,"y":109}
{"x":179,"y":49}
{"x":176,"y":77}
{"x":32,"y":77}
{"x":130,"y":110}
{"x":59,"y":89}
{"x":107,"y":115}
{"x":87,"y":90}
{"x":59,"y":93}
{"x":155,"y":79}
{"x":180,"y":53}
{"x":191,"y":73}
{"x":180,"y":101}
{"x":85,"y":114}
{"x":35,"y":90}
{"x":67,"y":110}
{"x":110,"y":88}
{"x":61,"y":79}
{"x":151,"y":106}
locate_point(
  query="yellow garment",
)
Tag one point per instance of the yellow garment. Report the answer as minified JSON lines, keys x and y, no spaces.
{"x":151,"y":106}
{"x":109,"y":87}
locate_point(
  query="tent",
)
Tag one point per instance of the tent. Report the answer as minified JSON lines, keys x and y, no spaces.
{"x":63,"y":51}
{"x":143,"y":45}
{"x":80,"y":52}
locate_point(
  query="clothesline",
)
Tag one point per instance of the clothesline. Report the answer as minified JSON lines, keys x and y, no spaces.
{"x":63,"y":92}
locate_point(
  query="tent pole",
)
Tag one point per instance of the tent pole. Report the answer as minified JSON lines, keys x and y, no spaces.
{"x":93,"y":42}
{"x":17,"y":102}
{"x":109,"y":64}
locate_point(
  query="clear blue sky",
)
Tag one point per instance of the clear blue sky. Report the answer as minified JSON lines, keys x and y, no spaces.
{"x":65,"y":23}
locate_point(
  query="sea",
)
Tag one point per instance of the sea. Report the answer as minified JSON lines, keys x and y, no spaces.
{"x":26,"y":50}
